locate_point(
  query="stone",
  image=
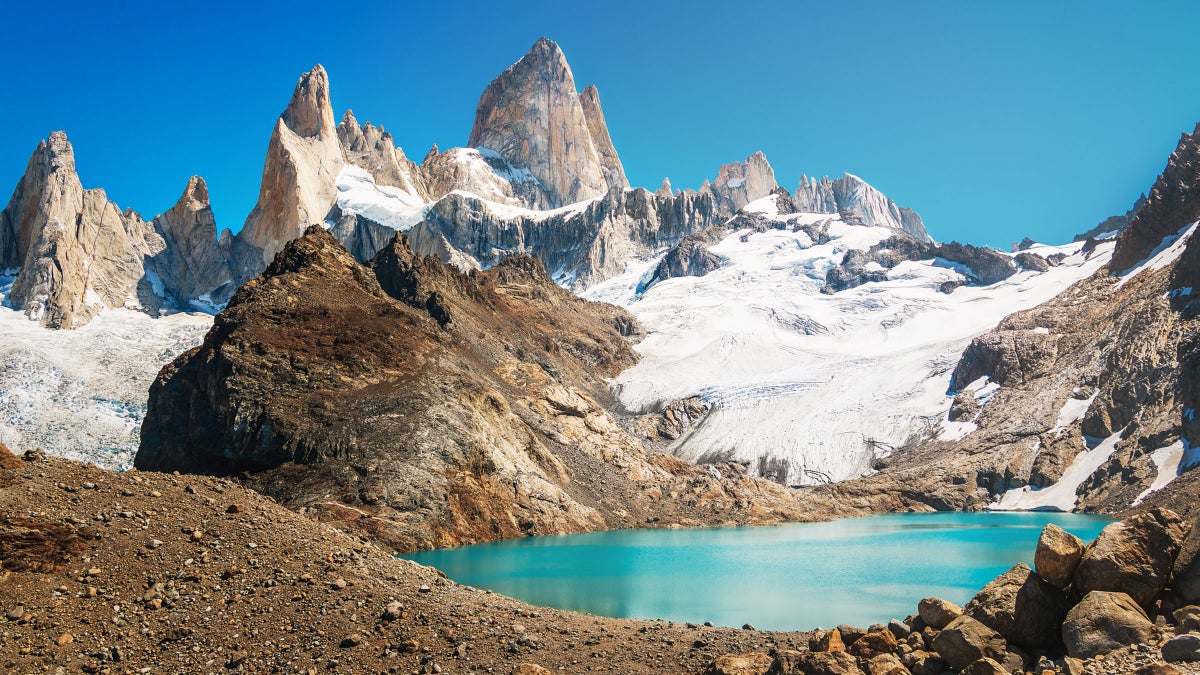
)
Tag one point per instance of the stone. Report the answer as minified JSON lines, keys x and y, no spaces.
{"x":850,"y":633}
{"x":1188,"y":618}
{"x":1155,"y":669}
{"x":873,"y":644}
{"x":1023,"y":607}
{"x":1183,"y":648}
{"x":352,"y":640}
{"x":64,"y":639}
{"x":826,"y":641}
{"x":1134,"y":556}
{"x":750,"y":663}
{"x":985,"y":667}
{"x":938,"y":613}
{"x":789,"y":662}
{"x":1104,"y":621}
{"x":886,"y":664}
{"x":965,"y":640}
{"x":1057,"y":555}
{"x":530,"y":669}
{"x":899,"y":629}
{"x":393,"y":611}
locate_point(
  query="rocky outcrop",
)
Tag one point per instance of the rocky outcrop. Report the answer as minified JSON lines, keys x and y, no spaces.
{"x":532,"y":115}
{"x":983,"y":265}
{"x":614,"y":173}
{"x":77,"y":252}
{"x":739,"y":183}
{"x":299,"y":179}
{"x":1174,"y":202}
{"x":855,"y":197}
{"x":192,"y":263}
{"x":372,"y":148}
{"x":1114,"y":225}
{"x":450,"y":407}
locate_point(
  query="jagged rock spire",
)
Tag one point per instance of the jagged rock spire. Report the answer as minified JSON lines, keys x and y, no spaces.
{"x":310,"y":112}
{"x":192,"y":264}
{"x":532,"y":115}
{"x":614,"y":173}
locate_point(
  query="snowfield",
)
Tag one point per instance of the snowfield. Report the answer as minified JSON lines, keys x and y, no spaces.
{"x":82,"y":393}
{"x":808,"y":387}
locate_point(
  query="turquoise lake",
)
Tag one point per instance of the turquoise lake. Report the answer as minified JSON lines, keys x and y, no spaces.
{"x":789,"y":577}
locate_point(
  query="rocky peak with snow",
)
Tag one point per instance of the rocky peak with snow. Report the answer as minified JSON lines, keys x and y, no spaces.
{"x":532,"y":115}
{"x":193,"y":264}
{"x":855,"y":196}
{"x":739,"y":183}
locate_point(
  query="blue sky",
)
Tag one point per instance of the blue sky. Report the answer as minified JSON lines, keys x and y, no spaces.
{"x":992,"y":120}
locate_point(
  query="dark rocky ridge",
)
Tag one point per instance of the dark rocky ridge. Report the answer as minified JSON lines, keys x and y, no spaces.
{"x":448,"y":407}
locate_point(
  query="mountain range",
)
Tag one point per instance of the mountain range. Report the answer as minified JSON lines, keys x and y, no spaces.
{"x":510,"y":333}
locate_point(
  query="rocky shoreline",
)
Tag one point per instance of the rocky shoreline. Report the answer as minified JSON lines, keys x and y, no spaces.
{"x":119,"y":572}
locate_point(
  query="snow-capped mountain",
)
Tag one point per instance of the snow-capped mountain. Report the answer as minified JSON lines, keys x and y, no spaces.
{"x":805,"y":386}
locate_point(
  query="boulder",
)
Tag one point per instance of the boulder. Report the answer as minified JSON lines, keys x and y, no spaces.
{"x":789,"y":662}
{"x":965,"y":640}
{"x":1188,"y":618}
{"x":873,"y":644}
{"x":850,"y":633}
{"x":1134,"y":556}
{"x":1023,"y":607}
{"x":1184,"y":648}
{"x":1058,"y":554}
{"x":1104,"y":621}
{"x":886,"y":664}
{"x":827,"y":641}
{"x":985,"y":667}
{"x":938,"y":613}
{"x":750,"y":663}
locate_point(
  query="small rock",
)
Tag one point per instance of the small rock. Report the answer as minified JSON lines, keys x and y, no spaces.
{"x":898,"y":628}
{"x":530,"y":669}
{"x":65,"y":639}
{"x":984,"y":667}
{"x":1157,"y":669}
{"x":1184,"y":648}
{"x":93,"y":571}
{"x":236,"y":658}
{"x":747,"y":626}
{"x":338,"y":584}
{"x":424,"y":588}
{"x":886,"y":664}
{"x":1188,"y":618}
{"x":938,"y":613}
{"x":196,"y":535}
{"x":827,"y":641}
{"x":153,"y":544}
{"x":353,"y":640}
{"x":873,"y":644}
{"x":15,"y":613}
{"x":393,"y":612}
{"x":234,"y":508}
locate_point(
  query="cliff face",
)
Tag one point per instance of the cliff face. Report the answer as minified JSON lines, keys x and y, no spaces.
{"x":77,"y":252}
{"x":532,"y":115}
{"x":299,"y":179}
{"x":192,"y":264}
{"x":451,"y":407}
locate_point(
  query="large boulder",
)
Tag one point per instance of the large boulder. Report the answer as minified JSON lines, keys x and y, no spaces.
{"x":1023,"y":607}
{"x":750,"y":663}
{"x":1134,"y":556}
{"x":789,"y":662}
{"x":938,"y":613}
{"x":886,"y":664}
{"x":985,"y":667}
{"x":873,"y":644}
{"x":1104,"y":621}
{"x":1184,"y":648}
{"x":965,"y":640}
{"x":1058,"y":554}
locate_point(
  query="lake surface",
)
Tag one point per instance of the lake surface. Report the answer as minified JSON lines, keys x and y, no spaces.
{"x":789,"y":577}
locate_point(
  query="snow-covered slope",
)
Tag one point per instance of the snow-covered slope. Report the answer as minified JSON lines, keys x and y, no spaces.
{"x":809,"y":387}
{"x":82,"y":393}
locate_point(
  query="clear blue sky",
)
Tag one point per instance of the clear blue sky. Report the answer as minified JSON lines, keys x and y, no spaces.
{"x":994,"y":121}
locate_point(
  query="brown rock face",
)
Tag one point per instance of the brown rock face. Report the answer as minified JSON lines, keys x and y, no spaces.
{"x":448,"y":407}
{"x":739,"y":183}
{"x":299,"y":180}
{"x":614,"y":173}
{"x":1058,"y":553}
{"x":1174,"y":202}
{"x":1102,"y":622}
{"x":532,"y":115}
{"x":1022,"y":607}
{"x":1134,"y":556}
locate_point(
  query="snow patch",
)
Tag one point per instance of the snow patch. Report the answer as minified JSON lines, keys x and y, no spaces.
{"x":389,"y":206}
{"x":1169,"y":462}
{"x":1060,"y":496}
{"x":1167,"y":252}
{"x":1072,"y":411}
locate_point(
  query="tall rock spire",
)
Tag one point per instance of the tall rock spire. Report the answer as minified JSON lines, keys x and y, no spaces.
{"x":614,"y":173}
{"x":192,"y":264}
{"x":532,"y":115}
{"x":299,"y":180}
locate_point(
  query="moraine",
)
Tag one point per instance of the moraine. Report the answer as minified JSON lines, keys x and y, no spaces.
{"x":856,"y":571}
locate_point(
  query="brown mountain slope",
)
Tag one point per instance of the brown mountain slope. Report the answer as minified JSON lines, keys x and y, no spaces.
{"x":426,"y":406}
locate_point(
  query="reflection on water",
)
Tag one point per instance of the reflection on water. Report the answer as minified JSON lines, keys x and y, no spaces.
{"x":798,"y":576}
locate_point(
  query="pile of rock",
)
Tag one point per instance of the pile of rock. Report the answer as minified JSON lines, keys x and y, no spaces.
{"x":1108,"y":607}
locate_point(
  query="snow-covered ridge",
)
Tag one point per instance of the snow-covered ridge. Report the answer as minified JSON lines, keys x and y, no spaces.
{"x":807,"y":386}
